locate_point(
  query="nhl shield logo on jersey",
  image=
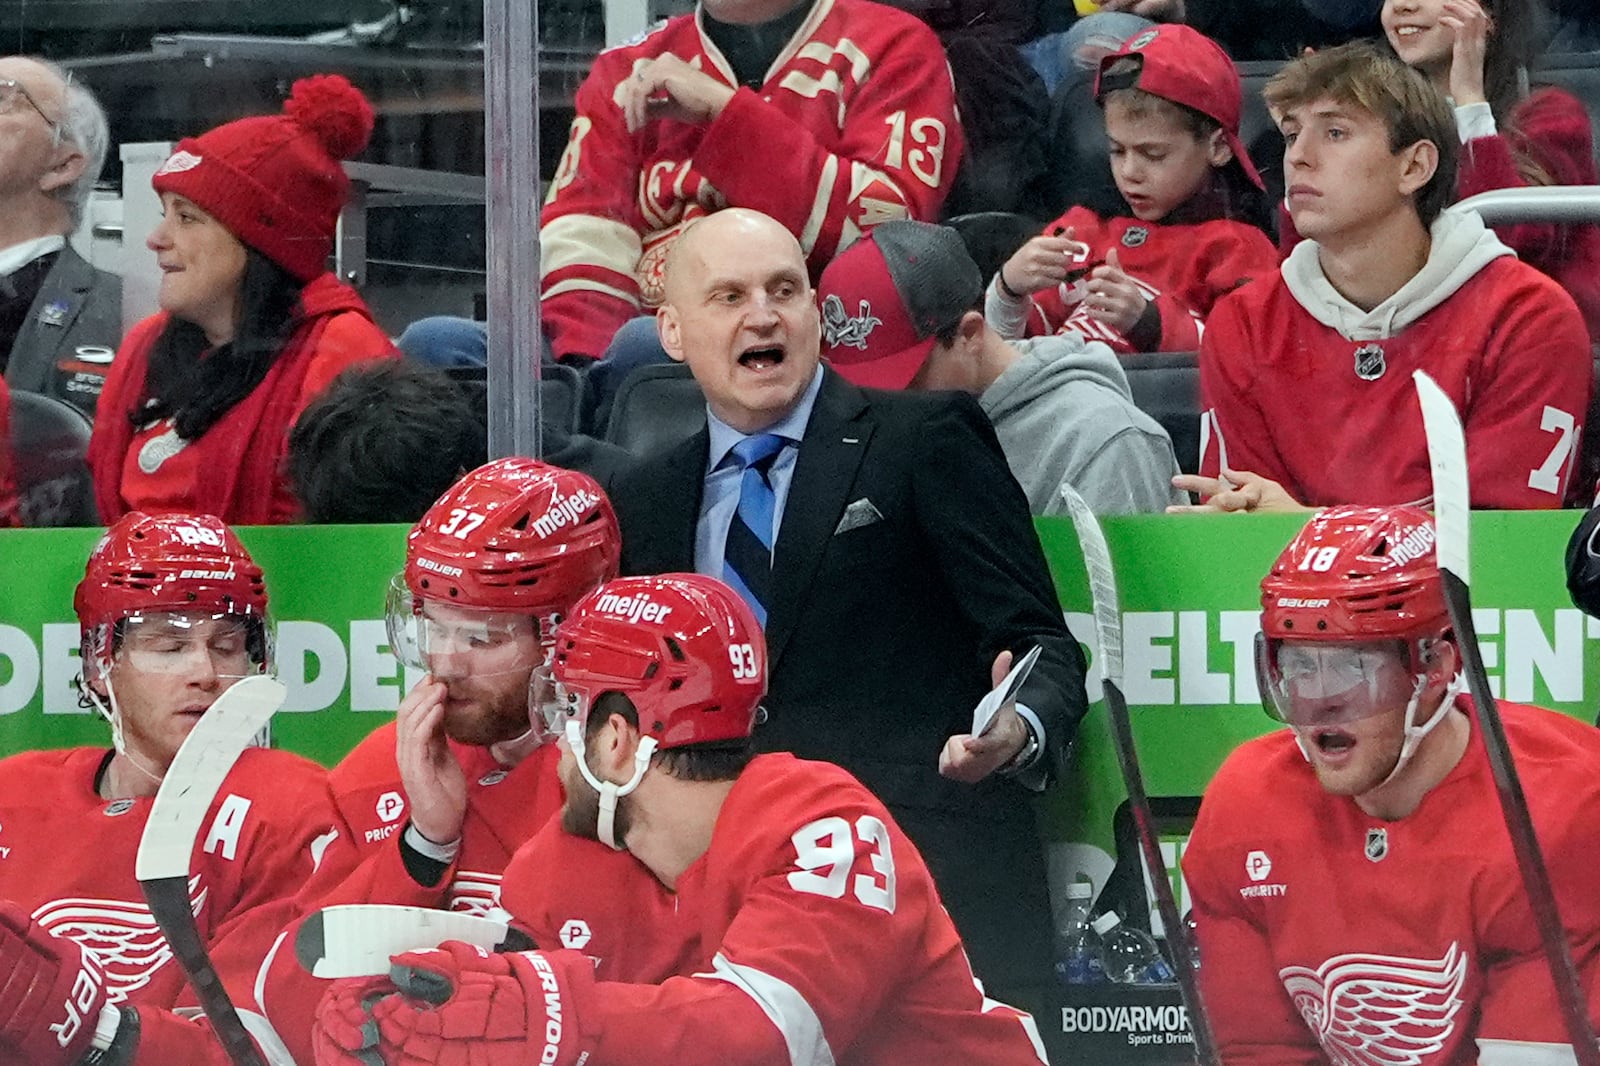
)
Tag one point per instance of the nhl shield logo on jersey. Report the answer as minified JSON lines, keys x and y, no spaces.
{"x":1370,"y":362}
{"x":840,"y":329}
{"x":1135,"y":236}
{"x":1377,"y":844}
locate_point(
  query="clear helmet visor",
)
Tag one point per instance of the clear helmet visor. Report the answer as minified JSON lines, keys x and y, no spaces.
{"x":554,"y":705}
{"x":229,"y":646}
{"x":448,"y":641}
{"x":1310,"y":684}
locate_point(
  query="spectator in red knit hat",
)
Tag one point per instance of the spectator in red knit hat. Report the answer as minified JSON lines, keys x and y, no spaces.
{"x":197,"y":408}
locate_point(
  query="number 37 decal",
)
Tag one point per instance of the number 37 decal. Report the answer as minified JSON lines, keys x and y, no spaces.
{"x":825,"y":852}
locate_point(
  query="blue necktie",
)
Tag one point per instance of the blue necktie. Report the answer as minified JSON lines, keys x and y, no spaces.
{"x":747,"y":555}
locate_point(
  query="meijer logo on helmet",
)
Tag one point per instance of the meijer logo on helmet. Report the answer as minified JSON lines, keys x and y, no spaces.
{"x":564,"y":511}
{"x":632,"y":608}
{"x":1415,"y":545}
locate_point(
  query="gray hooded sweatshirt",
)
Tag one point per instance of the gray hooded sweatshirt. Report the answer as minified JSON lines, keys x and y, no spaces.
{"x":1064,"y":414}
{"x":1462,"y":246}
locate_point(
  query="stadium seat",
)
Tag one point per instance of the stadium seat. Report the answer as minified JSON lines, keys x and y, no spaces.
{"x":992,"y":237}
{"x":1166,"y":386}
{"x":1579,"y":74}
{"x":560,"y":386}
{"x":49,"y":448}
{"x":656,"y":407}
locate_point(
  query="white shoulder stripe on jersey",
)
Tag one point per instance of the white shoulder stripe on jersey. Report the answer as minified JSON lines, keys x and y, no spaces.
{"x":783,"y":1003}
{"x":1524,"y":1053}
{"x":576,"y":240}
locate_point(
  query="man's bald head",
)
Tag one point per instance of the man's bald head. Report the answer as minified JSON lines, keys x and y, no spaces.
{"x":707,"y":242}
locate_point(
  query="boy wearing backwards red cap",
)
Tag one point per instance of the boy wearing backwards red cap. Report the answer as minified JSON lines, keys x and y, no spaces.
{"x":1145,"y":281}
{"x":199,"y":402}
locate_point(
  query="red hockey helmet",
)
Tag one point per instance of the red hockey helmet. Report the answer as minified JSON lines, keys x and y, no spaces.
{"x":515,"y":535}
{"x":1353,"y":575}
{"x":168,"y":564}
{"x":684,"y":648}
{"x":1357,"y":574}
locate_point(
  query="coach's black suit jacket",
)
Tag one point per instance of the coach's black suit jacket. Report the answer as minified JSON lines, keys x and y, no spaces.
{"x":881,"y":637}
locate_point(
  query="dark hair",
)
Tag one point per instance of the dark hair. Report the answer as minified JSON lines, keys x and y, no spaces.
{"x":721,"y":761}
{"x":1364,"y":75}
{"x":1511,"y":49}
{"x":1230,"y":193}
{"x":382,"y":442}
{"x":196,"y":392}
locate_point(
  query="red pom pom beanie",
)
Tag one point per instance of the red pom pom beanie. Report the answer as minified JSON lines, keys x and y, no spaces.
{"x":274,"y":180}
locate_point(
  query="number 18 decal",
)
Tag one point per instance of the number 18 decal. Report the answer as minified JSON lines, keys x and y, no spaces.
{"x":825,"y":852}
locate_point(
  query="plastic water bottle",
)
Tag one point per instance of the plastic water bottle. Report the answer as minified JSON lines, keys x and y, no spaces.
{"x":1130,"y":955}
{"x":1077,"y":945}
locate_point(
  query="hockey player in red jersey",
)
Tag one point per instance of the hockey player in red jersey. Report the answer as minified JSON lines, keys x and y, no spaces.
{"x":428,"y":810}
{"x":1306,"y":376}
{"x":172,"y":611}
{"x":828,"y":115}
{"x":821,"y":934}
{"x":1194,"y":231}
{"x":1377,"y":916}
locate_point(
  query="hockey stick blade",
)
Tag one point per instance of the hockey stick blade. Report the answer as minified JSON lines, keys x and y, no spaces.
{"x":1108,"y":631}
{"x":1447,"y":457}
{"x":190,"y":785}
{"x":357,"y":940}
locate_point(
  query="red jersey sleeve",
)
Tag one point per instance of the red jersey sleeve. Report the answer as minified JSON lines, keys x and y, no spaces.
{"x":1234,"y":431}
{"x":1524,"y":418}
{"x":1253,"y":1020}
{"x":899,"y":146}
{"x":589,"y":232}
{"x":1550,"y":128}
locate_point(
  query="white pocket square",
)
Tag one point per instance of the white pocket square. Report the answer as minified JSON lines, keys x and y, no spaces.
{"x":858,"y":514}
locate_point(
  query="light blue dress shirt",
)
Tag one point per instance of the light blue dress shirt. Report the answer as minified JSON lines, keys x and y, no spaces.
{"x":720,"y":498}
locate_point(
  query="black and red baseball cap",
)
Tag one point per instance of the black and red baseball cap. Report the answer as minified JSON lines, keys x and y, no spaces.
{"x":886,"y":297}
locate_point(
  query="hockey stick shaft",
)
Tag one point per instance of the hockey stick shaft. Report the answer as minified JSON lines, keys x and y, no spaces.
{"x":1108,"y":628}
{"x":187,"y":790}
{"x":1447,"y":461}
{"x":1144,"y":823}
{"x":1524,"y":844}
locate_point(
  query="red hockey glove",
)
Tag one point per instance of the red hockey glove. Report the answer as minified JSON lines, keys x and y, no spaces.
{"x":459,"y":1003}
{"x":51,"y":993}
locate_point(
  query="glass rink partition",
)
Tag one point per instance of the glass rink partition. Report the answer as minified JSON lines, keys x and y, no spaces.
{"x":1190,"y":599}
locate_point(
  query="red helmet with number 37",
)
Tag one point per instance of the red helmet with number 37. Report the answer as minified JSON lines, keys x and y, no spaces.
{"x":515,"y":535}
{"x":684,"y":648}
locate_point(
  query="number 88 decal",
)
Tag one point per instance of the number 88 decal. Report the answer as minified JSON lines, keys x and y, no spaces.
{"x":825,"y":852}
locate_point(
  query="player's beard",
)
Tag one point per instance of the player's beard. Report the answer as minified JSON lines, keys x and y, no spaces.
{"x":487,"y":709}
{"x":580,"y":813}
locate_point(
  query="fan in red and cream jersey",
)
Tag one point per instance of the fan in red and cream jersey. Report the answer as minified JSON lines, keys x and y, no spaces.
{"x":831,"y":116}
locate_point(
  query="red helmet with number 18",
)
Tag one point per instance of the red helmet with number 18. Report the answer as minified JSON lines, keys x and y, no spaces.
{"x":1357,"y":574}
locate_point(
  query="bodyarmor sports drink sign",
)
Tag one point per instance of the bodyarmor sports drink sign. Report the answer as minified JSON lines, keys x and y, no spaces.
{"x":1189,"y":593}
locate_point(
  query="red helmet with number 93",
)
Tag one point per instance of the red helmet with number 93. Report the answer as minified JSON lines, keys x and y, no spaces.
{"x":684,"y":648}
